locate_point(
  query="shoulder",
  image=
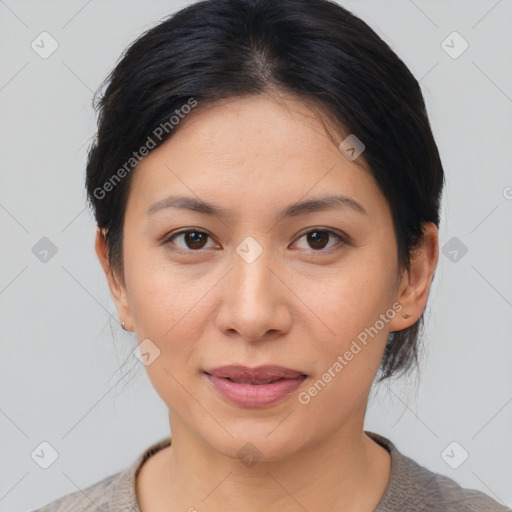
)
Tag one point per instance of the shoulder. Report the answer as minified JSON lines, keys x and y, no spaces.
{"x":431,"y":491}
{"x":91,"y":499}
{"x":115,"y":493}
{"x":458,"y":498}
{"x":414,"y":487}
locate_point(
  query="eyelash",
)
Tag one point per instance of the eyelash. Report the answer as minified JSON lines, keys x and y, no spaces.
{"x":342,"y":238}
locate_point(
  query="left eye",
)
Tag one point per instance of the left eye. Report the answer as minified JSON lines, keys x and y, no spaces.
{"x":317,"y":237}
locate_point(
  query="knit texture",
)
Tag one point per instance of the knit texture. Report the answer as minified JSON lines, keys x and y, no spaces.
{"x":411,"y":488}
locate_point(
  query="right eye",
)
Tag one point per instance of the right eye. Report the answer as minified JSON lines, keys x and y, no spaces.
{"x":193,"y":239}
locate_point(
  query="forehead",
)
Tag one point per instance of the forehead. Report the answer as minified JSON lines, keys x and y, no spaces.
{"x":244,"y":150}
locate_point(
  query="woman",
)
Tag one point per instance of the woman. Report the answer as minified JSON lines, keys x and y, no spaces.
{"x":267,"y":192}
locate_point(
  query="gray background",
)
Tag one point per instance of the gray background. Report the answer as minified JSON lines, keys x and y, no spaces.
{"x":67,"y":372}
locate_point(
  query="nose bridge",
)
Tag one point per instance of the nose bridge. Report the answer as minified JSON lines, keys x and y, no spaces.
{"x":252,"y":275}
{"x":251,"y":299}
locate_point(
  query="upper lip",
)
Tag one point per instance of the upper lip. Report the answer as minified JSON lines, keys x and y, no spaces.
{"x":258,"y":373}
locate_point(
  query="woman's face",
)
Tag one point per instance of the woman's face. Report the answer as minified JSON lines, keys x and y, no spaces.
{"x":251,"y":287}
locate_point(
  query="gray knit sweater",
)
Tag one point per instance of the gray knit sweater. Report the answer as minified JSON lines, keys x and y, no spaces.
{"x":412,"y":488}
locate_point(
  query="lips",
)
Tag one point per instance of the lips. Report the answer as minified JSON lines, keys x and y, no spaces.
{"x":258,"y":375}
{"x":255,"y":387}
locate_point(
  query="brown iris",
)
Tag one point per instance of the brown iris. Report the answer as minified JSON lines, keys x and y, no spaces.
{"x":314,"y":238}
{"x":194,"y":238}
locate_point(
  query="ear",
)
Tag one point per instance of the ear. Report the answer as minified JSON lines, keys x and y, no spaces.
{"x":117,"y":289}
{"x":415,"y":284}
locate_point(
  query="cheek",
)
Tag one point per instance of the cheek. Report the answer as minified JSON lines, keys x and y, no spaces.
{"x":352,"y":298}
{"x":162,"y":295}
{"x":347,"y":359}
{"x":167,"y":310}
{"x":171,"y":307}
{"x":356,"y":308}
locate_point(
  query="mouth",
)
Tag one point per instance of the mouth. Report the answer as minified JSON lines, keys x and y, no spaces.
{"x":253,"y":382}
{"x":255,"y":387}
{"x":255,"y":375}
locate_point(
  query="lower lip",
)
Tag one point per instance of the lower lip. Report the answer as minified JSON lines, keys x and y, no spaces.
{"x":255,"y":395}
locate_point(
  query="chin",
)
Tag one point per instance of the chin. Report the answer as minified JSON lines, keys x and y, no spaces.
{"x":258,"y":442}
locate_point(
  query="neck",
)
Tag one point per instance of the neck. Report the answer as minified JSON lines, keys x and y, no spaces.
{"x":346,"y":471}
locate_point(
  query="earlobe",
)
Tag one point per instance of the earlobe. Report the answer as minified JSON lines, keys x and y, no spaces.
{"x":117,"y":290}
{"x":415,"y":286}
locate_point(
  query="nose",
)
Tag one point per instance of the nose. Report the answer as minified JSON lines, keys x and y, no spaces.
{"x":254,"y":300}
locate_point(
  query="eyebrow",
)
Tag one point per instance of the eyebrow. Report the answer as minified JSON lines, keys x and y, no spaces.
{"x":293,"y":210}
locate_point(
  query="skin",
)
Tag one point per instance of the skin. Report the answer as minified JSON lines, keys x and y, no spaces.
{"x":299,"y":305}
